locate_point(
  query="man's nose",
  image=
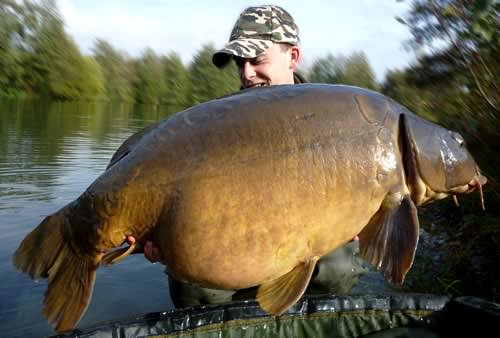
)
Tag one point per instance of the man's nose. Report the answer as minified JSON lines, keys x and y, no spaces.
{"x":247,"y":70}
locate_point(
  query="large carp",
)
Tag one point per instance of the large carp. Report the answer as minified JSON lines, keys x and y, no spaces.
{"x":252,"y":189}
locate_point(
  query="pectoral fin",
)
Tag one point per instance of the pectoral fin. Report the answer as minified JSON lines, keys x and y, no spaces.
{"x":117,"y":255}
{"x":276,"y":296}
{"x":390,"y":239}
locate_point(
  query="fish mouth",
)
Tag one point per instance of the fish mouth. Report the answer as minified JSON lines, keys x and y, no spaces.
{"x":476,"y":183}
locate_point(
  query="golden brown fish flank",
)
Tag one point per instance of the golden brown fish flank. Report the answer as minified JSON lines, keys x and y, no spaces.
{"x":251,"y":190}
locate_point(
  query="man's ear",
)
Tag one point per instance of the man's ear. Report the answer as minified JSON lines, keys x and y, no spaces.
{"x":295,"y":57}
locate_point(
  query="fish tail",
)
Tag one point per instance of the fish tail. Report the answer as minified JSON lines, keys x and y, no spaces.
{"x":45,"y":253}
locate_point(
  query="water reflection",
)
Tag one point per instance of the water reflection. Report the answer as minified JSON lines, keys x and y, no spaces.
{"x":49,"y":153}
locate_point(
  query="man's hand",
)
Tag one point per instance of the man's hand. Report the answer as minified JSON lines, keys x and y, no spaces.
{"x":151,"y":251}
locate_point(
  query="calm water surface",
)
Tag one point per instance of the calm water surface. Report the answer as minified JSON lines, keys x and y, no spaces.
{"x":49,"y":154}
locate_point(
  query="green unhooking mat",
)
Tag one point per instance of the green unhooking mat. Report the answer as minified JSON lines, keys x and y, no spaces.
{"x":367,"y":315}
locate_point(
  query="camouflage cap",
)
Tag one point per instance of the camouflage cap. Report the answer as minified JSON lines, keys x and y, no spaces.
{"x":257,"y":29}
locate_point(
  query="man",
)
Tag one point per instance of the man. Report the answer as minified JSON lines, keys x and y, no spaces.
{"x":264,"y":43}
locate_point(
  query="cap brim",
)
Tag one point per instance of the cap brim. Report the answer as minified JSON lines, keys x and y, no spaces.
{"x":244,"y":48}
{"x":221,"y":58}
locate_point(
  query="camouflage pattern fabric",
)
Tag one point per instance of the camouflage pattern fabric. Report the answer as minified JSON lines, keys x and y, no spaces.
{"x":257,"y":29}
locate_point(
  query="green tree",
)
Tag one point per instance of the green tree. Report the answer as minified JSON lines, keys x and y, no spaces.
{"x":324,"y":70}
{"x":117,"y":71}
{"x":402,"y":90}
{"x":57,"y":57}
{"x":458,"y":70}
{"x":356,"y":71}
{"x":459,"y":47}
{"x":352,"y":70}
{"x":11,"y":31}
{"x":56,"y":66}
{"x":92,"y":80}
{"x":208,"y":82}
{"x":150,"y":78}
{"x":176,"y":81}
{"x":461,"y":37}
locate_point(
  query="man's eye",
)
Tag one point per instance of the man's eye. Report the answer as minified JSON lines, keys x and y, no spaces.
{"x":257,"y":61}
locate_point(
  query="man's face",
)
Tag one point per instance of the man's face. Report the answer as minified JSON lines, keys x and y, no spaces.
{"x":273,"y":67}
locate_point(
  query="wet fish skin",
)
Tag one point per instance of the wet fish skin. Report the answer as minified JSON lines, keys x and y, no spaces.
{"x":252,"y":189}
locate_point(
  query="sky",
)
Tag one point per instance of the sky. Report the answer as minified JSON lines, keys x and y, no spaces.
{"x":338,"y":27}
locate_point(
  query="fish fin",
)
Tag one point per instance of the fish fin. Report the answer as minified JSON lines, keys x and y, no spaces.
{"x":40,"y":248}
{"x":45,"y":253}
{"x":129,"y":144}
{"x":276,"y":296}
{"x":390,"y":239}
{"x":117,"y":255}
{"x":71,"y":282}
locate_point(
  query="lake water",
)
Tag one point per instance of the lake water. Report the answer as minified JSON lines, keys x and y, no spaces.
{"x":49,"y":154}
